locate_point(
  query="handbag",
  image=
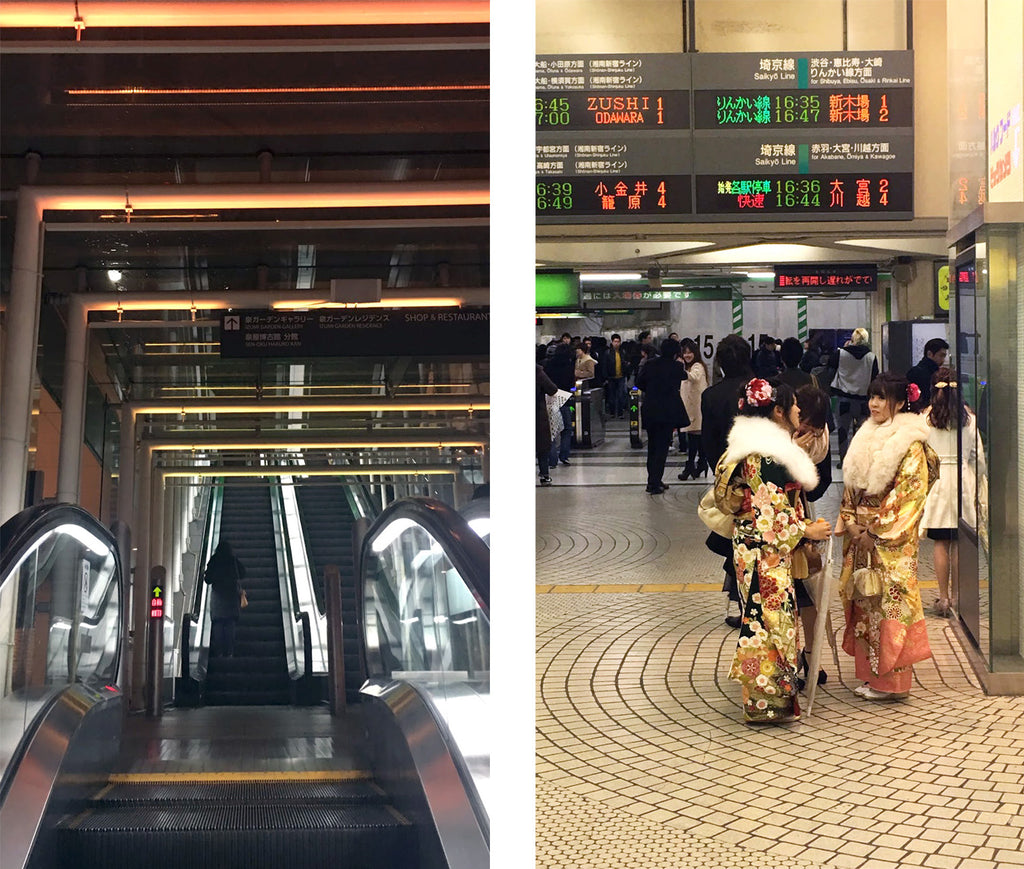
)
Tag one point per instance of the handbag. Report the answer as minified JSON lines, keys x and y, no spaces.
{"x":712,"y":517}
{"x":867,"y":581}
{"x":243,"y":599}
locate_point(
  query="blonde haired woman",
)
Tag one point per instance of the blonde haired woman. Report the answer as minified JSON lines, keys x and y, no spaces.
{"x":855,"y":367}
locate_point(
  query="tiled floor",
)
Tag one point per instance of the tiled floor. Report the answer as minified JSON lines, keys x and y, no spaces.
{"x":642,"y":756}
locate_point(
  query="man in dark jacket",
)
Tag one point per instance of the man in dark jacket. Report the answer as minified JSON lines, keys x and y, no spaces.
{"x":718,"y":403}
{"x":662,"y":410}
{"x":935,"y":352}
{"x":560,"y":366}
{"x":615,"y":368}
{"x":718,"y":406}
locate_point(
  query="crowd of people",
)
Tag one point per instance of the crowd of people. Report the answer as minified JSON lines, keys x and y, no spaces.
{"x":762,"y":425}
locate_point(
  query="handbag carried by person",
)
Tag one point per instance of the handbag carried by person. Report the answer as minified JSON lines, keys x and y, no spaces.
{"x":243,"y":599}
{"x":712,"y":517}
{"x":867,"y":581}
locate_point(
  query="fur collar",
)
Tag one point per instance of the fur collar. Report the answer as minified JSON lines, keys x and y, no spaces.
{"x":751,"y":435}
{"x":877,"y":451}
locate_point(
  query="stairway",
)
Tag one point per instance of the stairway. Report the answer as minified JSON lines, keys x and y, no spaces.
{"x":327,"y":521}
{"x":257,"y":674}
{"x":253,"y":821}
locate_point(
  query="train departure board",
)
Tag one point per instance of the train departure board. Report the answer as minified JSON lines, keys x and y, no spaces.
{"x":719,"y":137}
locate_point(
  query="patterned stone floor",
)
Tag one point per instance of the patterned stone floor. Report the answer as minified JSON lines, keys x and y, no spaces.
{"x":642,"y":757}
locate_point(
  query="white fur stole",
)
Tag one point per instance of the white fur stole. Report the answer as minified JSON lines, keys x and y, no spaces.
{"x":877,"y":451}
{"x":751,"y":435}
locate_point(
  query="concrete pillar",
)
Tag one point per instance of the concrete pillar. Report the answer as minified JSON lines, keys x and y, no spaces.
{"x":19,"y":359}
{"x":72,"y":426}
{"x":140,"y":604}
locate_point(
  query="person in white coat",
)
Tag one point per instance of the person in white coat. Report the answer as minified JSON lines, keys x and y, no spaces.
{"x":690,"y":390}
{"x":945,"y":414}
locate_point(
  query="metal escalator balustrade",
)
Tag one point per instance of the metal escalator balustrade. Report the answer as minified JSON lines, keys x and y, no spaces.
{"x":60,"y":651}
{"x":426,"y":611}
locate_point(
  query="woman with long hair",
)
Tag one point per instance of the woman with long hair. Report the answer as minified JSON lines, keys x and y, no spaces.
{"x":758,"y":482}
{"x":224,"y":574}
{"x":690,"y":390}
{"x":947,"y":414}
{"x":887,"y":474}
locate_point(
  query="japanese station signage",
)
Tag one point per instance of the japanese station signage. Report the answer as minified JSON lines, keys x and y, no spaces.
{"x":811,"y":279}
{"x":719,"y":137}
{"x":642,"y":296}
{"x":356,"y":332}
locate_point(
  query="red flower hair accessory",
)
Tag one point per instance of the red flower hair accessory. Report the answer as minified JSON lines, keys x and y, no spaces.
{"x":759,"y":393}
{"x":913,"y":392}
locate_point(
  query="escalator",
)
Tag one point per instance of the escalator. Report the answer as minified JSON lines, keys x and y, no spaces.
{"x":386,"y":784}
{"x":327,"y":520}
{"x":257,"y":673}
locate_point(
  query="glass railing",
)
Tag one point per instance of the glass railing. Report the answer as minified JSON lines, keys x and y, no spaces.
{"x":426,"y":600}
{"x":60,"y":613}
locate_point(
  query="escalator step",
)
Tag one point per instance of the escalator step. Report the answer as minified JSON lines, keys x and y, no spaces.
{"x":363,"y":847}
{"x":247,"y":698}
{"x":196,"y":793}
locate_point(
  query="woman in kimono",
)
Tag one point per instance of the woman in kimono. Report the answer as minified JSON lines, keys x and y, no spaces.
{"x":758,"y":481}
{"x":887,"y":473}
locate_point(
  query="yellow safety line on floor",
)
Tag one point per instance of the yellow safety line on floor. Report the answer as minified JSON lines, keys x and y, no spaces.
{"x":651,"y":588}
{"x":236,"y":776}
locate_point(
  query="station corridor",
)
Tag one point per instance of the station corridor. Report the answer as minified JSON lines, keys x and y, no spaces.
{"x":643,"y":758}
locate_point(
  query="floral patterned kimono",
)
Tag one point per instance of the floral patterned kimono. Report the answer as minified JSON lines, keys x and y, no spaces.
{"x":888,"y":472}
{"x":760,"y":491}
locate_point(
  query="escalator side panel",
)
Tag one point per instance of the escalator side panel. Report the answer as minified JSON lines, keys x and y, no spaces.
{"x":70,"y":750}
{"x":413,"y":763}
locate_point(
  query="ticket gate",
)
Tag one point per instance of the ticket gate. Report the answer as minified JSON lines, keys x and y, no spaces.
{"x":636,"y":439}
{"x":587,"y":408}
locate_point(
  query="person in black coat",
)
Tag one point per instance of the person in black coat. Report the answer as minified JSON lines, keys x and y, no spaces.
{"x":224,"y":574}
{"x":560,"y":366}
{"x":545,"y":386}
{"x":718,"y":407}
{"x":662,"y":410}
{"x":935,"y":352}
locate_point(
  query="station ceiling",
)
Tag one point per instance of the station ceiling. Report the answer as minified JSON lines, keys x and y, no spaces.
{"x":381,"y":106}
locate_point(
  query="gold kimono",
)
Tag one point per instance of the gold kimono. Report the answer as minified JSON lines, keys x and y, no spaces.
{"x":885,"y":625}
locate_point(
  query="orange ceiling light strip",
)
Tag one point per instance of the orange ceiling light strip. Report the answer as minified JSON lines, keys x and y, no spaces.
{"x":313,"y":445}
{"x":382,"y":195}
{"x":271,"y":407}
{"x":250,"y":13}
{"x":141,"y":91}
{"x":296,"y":471}
{"x":383,"y":303}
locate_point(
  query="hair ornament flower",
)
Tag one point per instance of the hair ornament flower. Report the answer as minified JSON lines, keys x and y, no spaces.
{"x":913,"y":392}
{"x":942,"y":384}
{"x":759,"y":393}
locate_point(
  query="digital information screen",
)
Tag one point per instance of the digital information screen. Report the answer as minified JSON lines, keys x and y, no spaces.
{"x":826,"y":278}
{"x":786,"y":136}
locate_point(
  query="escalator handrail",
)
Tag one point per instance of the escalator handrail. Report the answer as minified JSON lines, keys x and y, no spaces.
{"x":469,"y":555}
{"x":18,"y":533}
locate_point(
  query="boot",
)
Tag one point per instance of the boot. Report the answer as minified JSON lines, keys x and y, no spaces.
{"x":688,"y":472}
